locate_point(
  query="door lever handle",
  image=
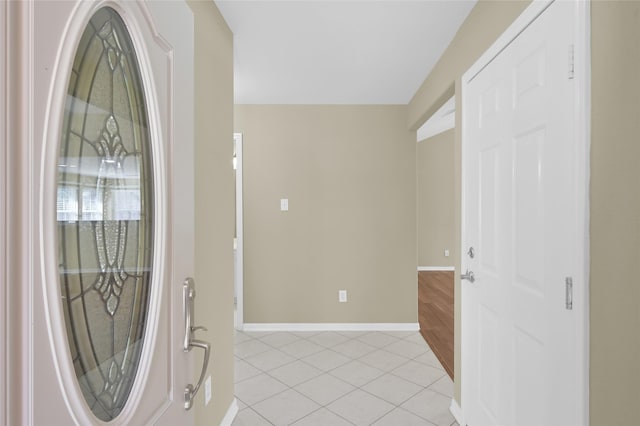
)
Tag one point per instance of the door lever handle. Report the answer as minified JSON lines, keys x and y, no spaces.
{"x":468,"y":276}
{"x":189,"y":293}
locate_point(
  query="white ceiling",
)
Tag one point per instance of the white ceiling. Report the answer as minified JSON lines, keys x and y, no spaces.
{"x":337,"y":52}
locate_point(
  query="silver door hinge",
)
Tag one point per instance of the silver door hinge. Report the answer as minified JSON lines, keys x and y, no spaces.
{"x":572,"y":67}
{"x":569,"y":293}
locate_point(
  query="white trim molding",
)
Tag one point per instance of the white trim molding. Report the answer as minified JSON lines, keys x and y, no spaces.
{"x":231,"y":413}
{"x":529,"y":15}
{"x":436,"y":268}
{"x":330,"y":326}
{"x":582,"y":55}
{"x":442,"y":120}
{"x":238,"y":266}
{"x":456,"y":412}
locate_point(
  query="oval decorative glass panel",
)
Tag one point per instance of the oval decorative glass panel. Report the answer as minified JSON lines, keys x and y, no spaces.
{"x":105,"y":214}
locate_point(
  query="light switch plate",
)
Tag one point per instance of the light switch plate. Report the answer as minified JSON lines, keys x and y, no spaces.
{"x":446,"y":252}
{"x":284,"y":204}
{"x":342,"y":296}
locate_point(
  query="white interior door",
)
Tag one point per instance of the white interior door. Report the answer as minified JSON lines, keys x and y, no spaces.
{"x":522,"y":217}
{"x":107,"y":211}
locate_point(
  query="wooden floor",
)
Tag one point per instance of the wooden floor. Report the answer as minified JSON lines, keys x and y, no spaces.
{"x":435,"y":314}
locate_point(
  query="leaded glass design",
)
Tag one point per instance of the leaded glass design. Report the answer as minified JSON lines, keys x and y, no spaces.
{"x":105,"y":214}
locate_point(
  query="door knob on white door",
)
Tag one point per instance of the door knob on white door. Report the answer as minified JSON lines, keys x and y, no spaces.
{"x":468,"y":276}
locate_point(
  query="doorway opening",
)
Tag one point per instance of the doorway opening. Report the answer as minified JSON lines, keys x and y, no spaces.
{"x":436,"y":232}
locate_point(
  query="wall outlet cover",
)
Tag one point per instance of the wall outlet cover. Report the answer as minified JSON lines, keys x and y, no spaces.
{"x":342,"y":296}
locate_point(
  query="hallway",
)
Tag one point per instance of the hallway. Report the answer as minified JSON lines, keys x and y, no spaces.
{"x":339,"y":378}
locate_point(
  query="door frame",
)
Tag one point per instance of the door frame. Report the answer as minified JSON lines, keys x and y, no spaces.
{"x":581,"y":124}
{"x":238,"y":266}
{"x":14,"y":89}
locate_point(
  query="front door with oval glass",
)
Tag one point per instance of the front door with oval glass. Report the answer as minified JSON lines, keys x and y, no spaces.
{"x":113,"y":133}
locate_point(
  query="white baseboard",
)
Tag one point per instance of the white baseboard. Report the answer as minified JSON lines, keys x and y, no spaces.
{"x":330,"y":326}
{"x":456,"y":411}
{"x":231,"y":414}
{"x":436,"y":268}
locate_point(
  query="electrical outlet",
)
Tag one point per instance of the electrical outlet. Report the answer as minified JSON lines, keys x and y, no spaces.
{"x":446,"y":252}
{"x":207,"y":391}
{"x":284,"y":204}
{"x":342,"y":296}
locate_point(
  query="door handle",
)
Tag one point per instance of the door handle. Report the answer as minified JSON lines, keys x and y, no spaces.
{"x":189,"y":293}
{"x":190,"y":391}
{"x":468,"y":276}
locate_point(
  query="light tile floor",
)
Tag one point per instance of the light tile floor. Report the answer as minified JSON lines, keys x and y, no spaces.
{"x":339,"y":378}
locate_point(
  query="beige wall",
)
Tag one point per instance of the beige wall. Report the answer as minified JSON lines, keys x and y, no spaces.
{"x":614,"y":194}
{"x":215,"y":208}
{"x":615,"y":213}
{"x":436,"y":200}
{"x":349,"y":175}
